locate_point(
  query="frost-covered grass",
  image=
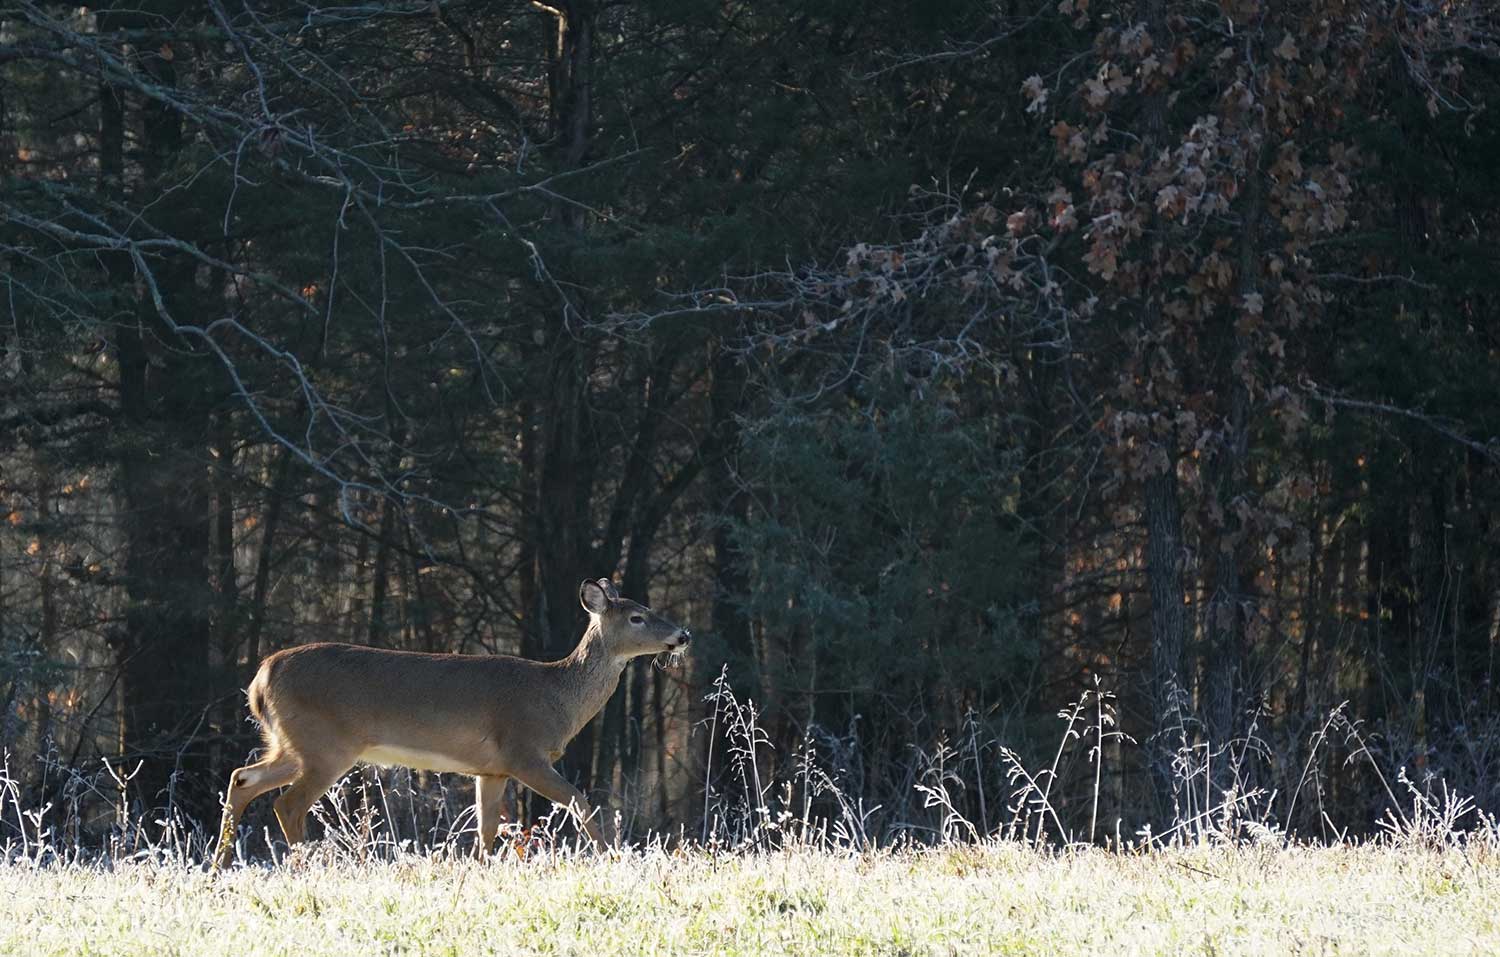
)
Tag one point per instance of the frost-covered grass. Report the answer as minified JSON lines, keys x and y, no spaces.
{"x":996,"y":899}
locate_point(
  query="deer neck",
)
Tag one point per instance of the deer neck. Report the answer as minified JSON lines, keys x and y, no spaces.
{"x":588,"y":677}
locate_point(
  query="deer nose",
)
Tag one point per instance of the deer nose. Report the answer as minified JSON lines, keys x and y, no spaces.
{"x":683,"y":636}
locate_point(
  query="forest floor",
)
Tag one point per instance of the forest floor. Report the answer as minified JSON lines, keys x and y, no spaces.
{"x":995,"y":899}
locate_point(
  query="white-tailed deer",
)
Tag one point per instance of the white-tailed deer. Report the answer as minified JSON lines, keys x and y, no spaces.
{"x":325,"y":707}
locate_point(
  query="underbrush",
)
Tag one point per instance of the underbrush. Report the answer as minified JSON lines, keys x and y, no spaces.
{"x":971,"y":789}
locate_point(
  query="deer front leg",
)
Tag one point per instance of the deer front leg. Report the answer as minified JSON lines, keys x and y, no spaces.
{"x":245,"y":785}
{"x":544,"y":780}
{"x":489,"y":803}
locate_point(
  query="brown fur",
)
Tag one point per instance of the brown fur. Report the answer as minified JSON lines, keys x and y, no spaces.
{"x":324,"y":707}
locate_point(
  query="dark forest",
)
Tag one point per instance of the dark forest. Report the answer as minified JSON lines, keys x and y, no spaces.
{"x":970,"y":377}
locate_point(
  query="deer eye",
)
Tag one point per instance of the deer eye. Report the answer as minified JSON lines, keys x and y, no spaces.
{"x":637,"y":619}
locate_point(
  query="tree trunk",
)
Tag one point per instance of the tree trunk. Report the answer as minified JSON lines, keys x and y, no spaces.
{"x":226,"y":630}
{"x":165,"y":482}
{"x":423,"y":607}
{"x":1226,"y":607}
{"x":270,"y":524}
{"x":533,"y":618}
{"x":170,"y":601}
{"x":1165,"y":550}
{"x":1164,"y":557}
{"x":380,"y":578}
{"x":731,"y":578}
{"x":226,"y":585}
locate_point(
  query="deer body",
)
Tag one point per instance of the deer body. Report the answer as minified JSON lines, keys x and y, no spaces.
{"x":325,"y":707}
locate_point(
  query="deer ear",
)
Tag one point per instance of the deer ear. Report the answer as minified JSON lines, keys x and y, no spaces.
{"x":609,"y":589}
{"x":593,"y":597}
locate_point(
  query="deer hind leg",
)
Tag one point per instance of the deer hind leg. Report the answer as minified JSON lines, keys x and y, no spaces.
{"x":314,"y":778}
{"x":245,"y":785}
{"x":544,"y":780}
{"x":489,"y":803}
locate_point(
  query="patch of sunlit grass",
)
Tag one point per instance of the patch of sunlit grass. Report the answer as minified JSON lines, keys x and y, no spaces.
{"x":996,"y":898}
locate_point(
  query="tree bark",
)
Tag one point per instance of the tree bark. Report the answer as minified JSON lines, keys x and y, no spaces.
{"x":166,"y":485}
{"x":226,"y":622}
{"x":270,"y":524}
{"x":1163,"y":511}
{"x":1164,"y":557}
{"x":380,"y":578}
{"x":731,"y":578}
{"x":1226,"y":607}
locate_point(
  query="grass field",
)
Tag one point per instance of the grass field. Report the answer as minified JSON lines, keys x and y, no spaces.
{"x":996,"y":899}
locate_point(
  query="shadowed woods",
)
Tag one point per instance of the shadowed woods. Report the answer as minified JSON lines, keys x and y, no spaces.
{"x":946,"y":368}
